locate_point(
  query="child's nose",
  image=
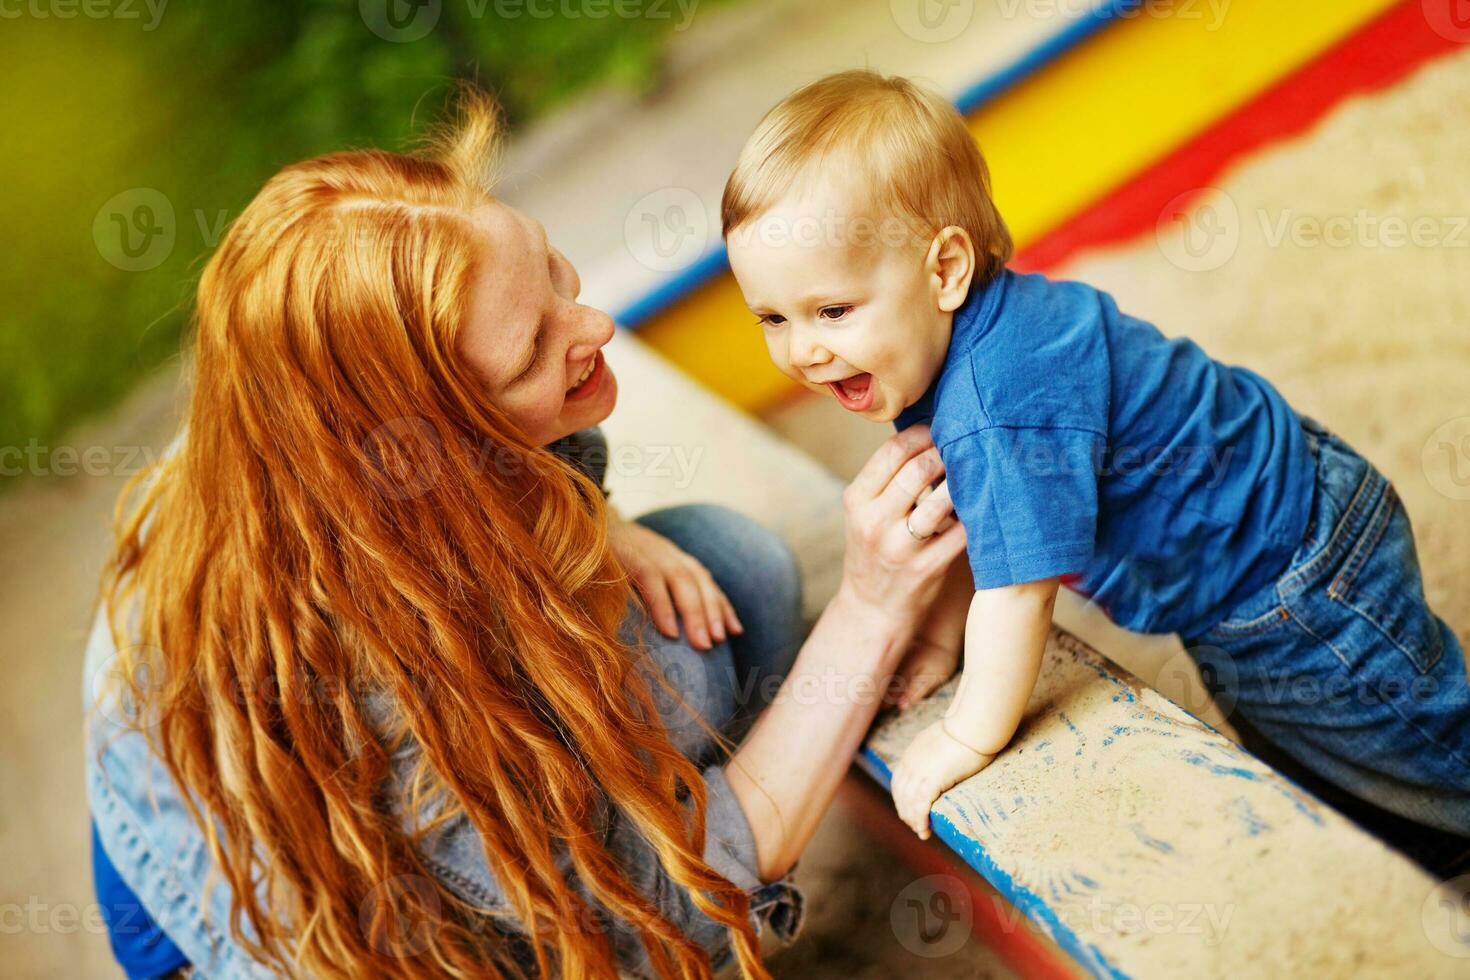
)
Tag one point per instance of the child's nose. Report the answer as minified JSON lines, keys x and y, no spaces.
{"x":806,"y":350}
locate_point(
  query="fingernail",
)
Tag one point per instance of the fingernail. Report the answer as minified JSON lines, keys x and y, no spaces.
{"x":720,"y":634}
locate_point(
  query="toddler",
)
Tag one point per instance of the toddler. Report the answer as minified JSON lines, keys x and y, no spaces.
{"x":1081,"y":445}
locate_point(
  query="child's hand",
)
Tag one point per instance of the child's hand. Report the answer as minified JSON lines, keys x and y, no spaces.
{"x":926,"y":666}
{"x":933,"y":762}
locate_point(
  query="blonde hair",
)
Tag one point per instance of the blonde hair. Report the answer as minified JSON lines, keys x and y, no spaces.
{"x":307,"y":550}
{"x":907,"y":144}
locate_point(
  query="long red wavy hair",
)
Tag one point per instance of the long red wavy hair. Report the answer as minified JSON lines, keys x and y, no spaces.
{"x":349,"y":521}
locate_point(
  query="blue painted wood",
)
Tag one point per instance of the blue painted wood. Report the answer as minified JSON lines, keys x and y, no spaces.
{"x":1147,"y":844}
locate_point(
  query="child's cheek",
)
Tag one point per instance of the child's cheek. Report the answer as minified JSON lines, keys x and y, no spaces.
{"x":777,"y":352}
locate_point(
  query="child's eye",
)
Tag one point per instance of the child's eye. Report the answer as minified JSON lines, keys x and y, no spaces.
{"x":771,"y":320}
{"x":835,"y":312}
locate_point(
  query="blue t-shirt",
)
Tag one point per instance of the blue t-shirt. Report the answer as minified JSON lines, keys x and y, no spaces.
{"x":1083,"y":443}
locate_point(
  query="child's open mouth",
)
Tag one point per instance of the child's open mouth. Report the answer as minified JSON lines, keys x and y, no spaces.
{"x":856,"y":393}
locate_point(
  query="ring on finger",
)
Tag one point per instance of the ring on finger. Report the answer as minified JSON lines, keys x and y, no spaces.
{"x":910,"y":528}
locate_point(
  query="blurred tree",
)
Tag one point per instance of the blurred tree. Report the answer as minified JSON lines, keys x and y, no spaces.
{"x":124,"y":130}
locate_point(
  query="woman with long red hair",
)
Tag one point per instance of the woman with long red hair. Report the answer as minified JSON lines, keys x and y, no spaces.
{"x":373,"y":693}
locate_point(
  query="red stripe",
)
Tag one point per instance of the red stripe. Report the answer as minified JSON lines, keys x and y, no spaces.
{"x":1005,"y":932}
{"x":1378,"y":55}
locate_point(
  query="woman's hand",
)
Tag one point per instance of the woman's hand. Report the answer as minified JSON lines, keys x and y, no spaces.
{"x":668,"y":579}
{"x":897,"y":553}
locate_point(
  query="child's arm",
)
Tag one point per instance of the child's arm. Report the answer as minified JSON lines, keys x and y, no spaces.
{"x":1005,"y":636}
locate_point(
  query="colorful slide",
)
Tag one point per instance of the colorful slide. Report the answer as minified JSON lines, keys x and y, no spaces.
{"x":1101,"y":132}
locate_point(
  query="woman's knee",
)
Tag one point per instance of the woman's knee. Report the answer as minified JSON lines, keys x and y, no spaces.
{"x":759,"y":574}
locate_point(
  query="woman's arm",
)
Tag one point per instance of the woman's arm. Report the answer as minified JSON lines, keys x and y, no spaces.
{"x":786,"y":772}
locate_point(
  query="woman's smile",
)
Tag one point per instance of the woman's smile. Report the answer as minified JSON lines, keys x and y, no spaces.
{"x":590,"y":380}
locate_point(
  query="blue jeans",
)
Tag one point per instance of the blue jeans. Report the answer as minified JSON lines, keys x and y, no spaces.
{"x":726,"y":687}
{"x":1341,"y":675}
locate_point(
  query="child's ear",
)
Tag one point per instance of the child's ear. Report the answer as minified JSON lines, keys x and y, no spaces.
{"x":951,"y":263}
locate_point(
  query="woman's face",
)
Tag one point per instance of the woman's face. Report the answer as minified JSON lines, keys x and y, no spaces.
{"x":538,"y":349}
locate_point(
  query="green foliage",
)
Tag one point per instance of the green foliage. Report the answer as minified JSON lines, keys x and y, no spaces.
{"x":202,"y":107}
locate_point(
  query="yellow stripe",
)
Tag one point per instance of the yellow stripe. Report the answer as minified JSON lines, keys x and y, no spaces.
{"x":1111,"y":108}
{"x":1061,"y":140}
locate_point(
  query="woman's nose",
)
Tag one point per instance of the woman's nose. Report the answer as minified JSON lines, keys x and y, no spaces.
{"x":594,"y":329}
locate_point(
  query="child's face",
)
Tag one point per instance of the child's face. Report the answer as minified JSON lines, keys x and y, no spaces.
{"x":850,"y":305}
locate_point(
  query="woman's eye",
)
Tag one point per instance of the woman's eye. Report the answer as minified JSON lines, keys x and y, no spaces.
{"x":835,"y":312}
{"x":771,"y":320}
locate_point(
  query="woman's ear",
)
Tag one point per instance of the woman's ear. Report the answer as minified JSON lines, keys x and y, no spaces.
{"x":951,"y":263}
